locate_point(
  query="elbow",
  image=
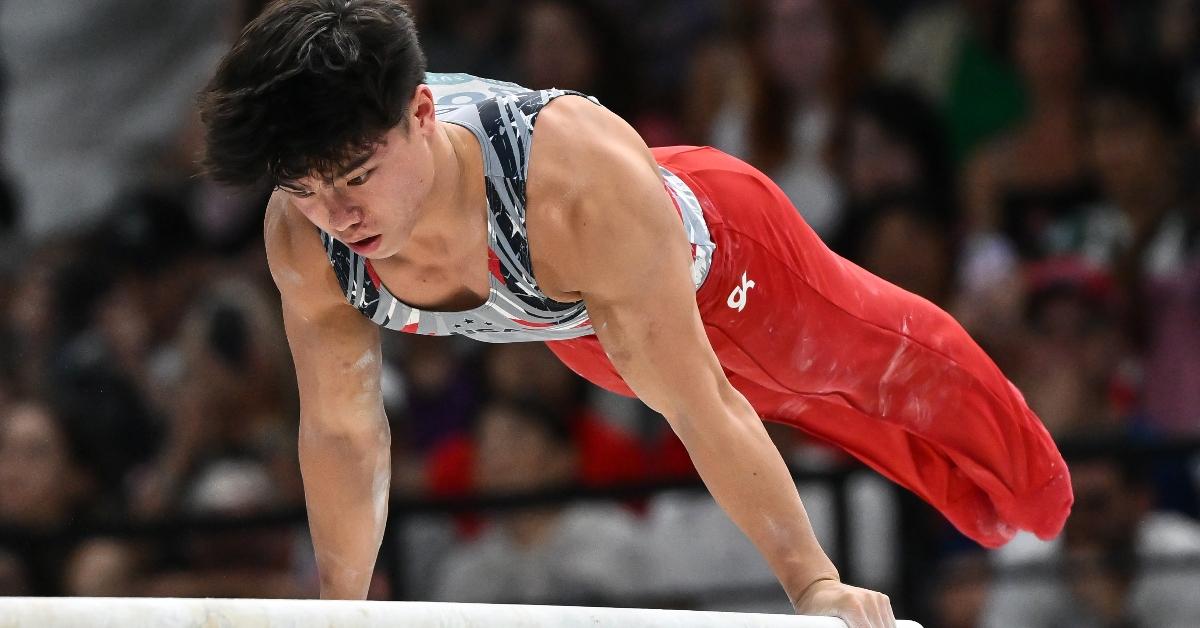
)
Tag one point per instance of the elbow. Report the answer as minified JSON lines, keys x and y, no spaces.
{"x":721,"y":410}
{"x":366,"y":435}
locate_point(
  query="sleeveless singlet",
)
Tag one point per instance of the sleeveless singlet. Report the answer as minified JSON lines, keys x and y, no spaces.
{"x":502,"y":116}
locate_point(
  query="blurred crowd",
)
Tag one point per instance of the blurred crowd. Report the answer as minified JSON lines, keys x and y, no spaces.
{"x":1025,"y":164}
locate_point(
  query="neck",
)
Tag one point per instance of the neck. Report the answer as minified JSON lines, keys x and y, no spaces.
{"x":459,"y":161}
{"x":450,"y":176}
{"x":450,"y":215}
{"x":1055,"y":100}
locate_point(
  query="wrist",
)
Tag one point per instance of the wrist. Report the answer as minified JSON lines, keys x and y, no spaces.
{"x":343,"y":584}
{"x":344,"y":593}
{"x":797,"y":594}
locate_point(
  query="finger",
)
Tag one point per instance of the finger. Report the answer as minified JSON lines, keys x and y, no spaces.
{"x":890,"y":615}
{"x":870,"y":618}
{"x":879,"y":617}
{"x":851,"y":619}
{"x":881,"y":611}
{"x":857,"y":617}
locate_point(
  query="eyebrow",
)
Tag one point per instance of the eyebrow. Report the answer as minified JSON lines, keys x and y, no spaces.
{"x":353,"y":165}
{"x":356,"y":163}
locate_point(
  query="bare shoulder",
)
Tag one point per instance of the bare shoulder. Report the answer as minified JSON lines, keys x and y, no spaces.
{"x":578,"y":140}
{"x":297,"y":259}
{"x":593,"y":190}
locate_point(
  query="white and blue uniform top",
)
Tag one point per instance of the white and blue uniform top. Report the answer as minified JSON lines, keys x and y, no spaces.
{"x":502,"y":117}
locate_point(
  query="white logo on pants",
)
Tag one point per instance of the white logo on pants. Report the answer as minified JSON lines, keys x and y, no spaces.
{"x":737,"y":298}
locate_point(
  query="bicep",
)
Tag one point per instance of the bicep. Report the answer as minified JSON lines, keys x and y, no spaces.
{"x":338,"y":362}
{"x":335,"y":348}
{"x":642,"y":303}
{"x":656,"y":341}
{"x":621,"y":245}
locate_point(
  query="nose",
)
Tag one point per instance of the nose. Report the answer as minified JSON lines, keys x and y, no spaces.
{"x":344,"y":213}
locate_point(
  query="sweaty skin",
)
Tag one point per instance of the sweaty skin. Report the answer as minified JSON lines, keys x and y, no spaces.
{"x":602,"y":229}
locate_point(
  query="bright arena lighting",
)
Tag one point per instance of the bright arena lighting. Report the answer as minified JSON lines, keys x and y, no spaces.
{"x":24,"y":612}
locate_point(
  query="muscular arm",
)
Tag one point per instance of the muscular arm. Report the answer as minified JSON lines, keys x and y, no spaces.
{"x":344,"y":436}
{"x":623,"y":248}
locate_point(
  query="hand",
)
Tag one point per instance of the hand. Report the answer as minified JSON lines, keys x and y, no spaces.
{"x":859,"y":608}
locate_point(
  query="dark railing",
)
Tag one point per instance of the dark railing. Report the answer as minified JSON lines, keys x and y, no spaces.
{"x":910,"y":568}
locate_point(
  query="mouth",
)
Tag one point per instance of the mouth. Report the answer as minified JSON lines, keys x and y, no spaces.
{"x":364,"y":246}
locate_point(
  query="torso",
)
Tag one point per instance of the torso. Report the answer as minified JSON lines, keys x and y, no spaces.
{"x":447,"y":276}
{"x":508,"y":304}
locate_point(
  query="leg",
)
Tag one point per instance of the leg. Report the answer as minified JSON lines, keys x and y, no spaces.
{"x":823,"y":345}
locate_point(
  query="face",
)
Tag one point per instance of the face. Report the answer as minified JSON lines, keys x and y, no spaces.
{"x":1049,"y":43}
{"x":1128,"y":147}
{"x":878,"y":163}
{"x":907,"y":252}
{"x":551,"y":26}
{"x":800,"y":40}
{"x":516,"y":456}
{"x":35,"y":467}
{"x":1107,"y":510}
{"x":374,"y":205}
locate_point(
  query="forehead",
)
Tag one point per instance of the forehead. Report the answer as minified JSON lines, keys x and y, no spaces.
{"x":387,"y":144}
{"x":27,"y":422}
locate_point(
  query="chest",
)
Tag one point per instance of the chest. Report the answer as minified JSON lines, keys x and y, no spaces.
{"x":452,"y":277}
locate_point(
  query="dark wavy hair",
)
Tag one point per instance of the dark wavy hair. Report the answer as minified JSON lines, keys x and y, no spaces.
{"x":309,"y":86}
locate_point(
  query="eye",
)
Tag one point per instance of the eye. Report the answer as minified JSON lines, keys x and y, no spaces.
{"x":297,"y":192}
{"x":360,"y":179}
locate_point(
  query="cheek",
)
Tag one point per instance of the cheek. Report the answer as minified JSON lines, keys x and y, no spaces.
{"x":1111,"y":154}
{"x":310,"y":210}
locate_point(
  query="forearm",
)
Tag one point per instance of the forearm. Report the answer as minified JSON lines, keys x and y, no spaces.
{"x":346,"y":488}
{"x":745,"y":473}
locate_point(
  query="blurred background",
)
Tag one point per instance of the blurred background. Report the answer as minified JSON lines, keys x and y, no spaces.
{"x":1026,"y":164}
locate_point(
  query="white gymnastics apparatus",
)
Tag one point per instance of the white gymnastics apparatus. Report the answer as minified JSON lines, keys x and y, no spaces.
{"x":81,"y":612}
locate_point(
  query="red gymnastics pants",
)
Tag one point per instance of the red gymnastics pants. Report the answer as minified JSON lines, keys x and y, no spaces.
{"x":822,"y":345}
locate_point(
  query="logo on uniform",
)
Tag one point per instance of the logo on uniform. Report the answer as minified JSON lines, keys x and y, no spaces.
{"x":737,"y":298}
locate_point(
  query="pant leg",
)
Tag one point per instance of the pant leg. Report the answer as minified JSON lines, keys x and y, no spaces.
{"x":820,"y":344}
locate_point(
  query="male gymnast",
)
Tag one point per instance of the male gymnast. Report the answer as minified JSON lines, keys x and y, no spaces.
{"x":425,"y":203}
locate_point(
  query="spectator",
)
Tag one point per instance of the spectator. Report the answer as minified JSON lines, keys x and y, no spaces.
{"x":695,"y":551}
{"x":908,"y":244}
{"x":607,"y":454}
{"x":898,"y":182}
{"x":1034,"y":174}
{"x":565,"y":553}
{"x":234,"y":395}
{"x":807,"y":58}
{"x":1102,"y":571}
{"x":441,"y":392}
{"x":1070,"y":348}
{"x":247,"y":563}
{"x":472,"y":36}
{"x":953,"y":52}
{"x":260,"y":563}
{"x":960,"y":587}
{"x":1039,"y":170}
{"x":893,"y":146}
{"x":589,"y":52}
{"x":1146,"y":232}
{"x":46,"y":485}
{"x":665,"y":41}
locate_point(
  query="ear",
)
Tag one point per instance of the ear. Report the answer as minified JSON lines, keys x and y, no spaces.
{"x":421,"y":110}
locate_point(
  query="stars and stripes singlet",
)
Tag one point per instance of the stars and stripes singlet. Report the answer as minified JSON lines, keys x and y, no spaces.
{"x":502,"y":116}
